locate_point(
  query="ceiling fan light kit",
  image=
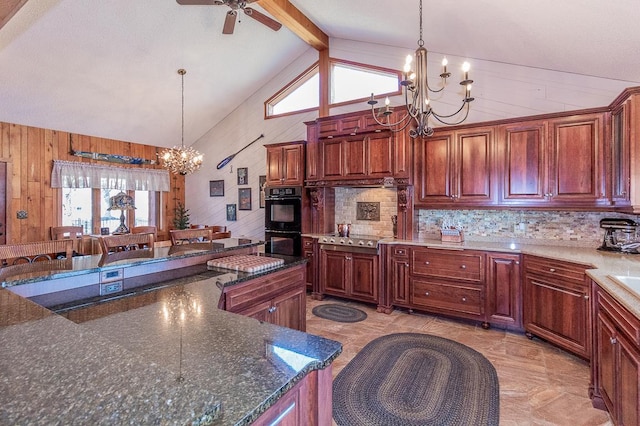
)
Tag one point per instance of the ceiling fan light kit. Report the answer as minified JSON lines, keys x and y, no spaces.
{"x":416,"y":95}
{"x":231,"y":17}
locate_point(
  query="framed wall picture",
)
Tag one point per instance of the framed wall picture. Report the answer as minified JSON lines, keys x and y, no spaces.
{"x":216,"y":188}
{"x":262,"y":180}
{"x":244,"y":198}
{"x":231,"y":212}
{"x":243,"y":176}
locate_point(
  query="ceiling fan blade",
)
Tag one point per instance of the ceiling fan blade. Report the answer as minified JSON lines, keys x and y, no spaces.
{"x":229,"y":22}
{"x":199,"y":2}
{"x":262,"y":18}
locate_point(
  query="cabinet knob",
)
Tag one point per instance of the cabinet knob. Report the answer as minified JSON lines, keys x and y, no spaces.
{"x":463,"y":266}
{"x":406,"y":264}
{"x":586,"y":296}
{"x":426,"y":293}
{"x":272,"y":309}
{"x":552,"y":269}
{"x":426,"y":263}
{"x":348,"y":258}
{"x":613,"y":340}
{"x":464,"y":299}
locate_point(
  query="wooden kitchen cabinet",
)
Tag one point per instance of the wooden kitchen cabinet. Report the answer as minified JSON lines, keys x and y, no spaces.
{"x":349,"y":274}
{"x":451,"y":282}
{"x":504,"y":294}
{"x":357,"y":157}
{"x":279,"y":299}
{"x":556,"y":304}
{"x":577,"y":179}
{"x":353,"y":149}
{"x":285,"y":164}
{"x":522,"y":153}
{"x":456,"y":167}
{"x":398,"y":278}
{"x":309,"y":250}
{"x":616,"y":360}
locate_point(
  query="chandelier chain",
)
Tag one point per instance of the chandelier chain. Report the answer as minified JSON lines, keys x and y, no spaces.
{"x":420,"y":40}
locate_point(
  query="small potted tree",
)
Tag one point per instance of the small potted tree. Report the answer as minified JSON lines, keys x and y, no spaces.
{"x":181,"y":217}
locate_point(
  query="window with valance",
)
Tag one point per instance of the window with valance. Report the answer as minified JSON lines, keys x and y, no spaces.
{"x":75,"y":174}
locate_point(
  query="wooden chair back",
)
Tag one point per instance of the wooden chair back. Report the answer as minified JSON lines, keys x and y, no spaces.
{"x":187,"y":236}
{"x":145,"y":230}
{"x":64,"y":232}
{"x":198,"y":226}
{"x":12,"y":254}
{"x":126,"y":242}
{"x":218,"y":228}
{"x":220,"y":235}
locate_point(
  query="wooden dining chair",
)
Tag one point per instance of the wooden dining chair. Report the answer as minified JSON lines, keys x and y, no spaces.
{"x":126,"y":242}
{"x":218,"y":228}
{"x":66,"y":232}
{"x":13,"y":254}
{"x":198,"y":226}
{"x":187,"y":236}
{"x":220,"y":235}
{"x":145,"y":230}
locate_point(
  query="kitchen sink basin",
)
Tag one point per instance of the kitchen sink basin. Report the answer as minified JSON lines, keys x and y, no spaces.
{"x":630,"y":282}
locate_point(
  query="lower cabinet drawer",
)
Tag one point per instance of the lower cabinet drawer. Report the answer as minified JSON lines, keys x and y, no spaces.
{"x":449,"y":297}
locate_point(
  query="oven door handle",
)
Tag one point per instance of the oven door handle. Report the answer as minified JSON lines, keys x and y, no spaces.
{"x":276,"y":231}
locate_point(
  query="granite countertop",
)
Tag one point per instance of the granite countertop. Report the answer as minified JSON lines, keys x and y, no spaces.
{"x":122,"y":368}
{"x":601,"y":263}
{"x":80,"y":265}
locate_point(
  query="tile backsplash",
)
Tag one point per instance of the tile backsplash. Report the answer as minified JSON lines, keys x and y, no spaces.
{"x":554,"y":227}
{"x":346,"y":209}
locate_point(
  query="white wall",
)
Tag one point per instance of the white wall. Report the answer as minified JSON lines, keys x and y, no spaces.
{"x":501,"y":91}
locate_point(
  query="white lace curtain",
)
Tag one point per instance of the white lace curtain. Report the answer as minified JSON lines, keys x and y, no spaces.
{"x":74,"y":174}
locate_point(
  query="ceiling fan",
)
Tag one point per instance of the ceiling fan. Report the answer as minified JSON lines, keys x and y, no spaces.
{"x":235,"y":5}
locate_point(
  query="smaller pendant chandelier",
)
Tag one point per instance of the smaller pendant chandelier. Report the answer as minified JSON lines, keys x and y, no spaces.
{"x":181,"y":160}
{"x":416,"y":96}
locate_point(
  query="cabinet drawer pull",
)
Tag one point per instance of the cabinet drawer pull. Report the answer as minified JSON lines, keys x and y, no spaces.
{"x":464,"y":266}
{"x":613,"y":340}
{"x":272,"y":309}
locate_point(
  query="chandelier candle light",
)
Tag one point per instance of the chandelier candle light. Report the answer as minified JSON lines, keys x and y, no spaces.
{"x":181,"y":160}
{"x":416,"y":93}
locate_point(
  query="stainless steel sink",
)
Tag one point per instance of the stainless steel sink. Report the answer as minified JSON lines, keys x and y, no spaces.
{"x":630,"y":282}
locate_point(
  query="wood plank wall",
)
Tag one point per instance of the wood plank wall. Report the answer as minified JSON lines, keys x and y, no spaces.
{"x":29,"y":153}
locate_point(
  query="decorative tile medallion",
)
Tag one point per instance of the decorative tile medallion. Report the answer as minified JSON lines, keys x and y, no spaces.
{"x":367,"y":211}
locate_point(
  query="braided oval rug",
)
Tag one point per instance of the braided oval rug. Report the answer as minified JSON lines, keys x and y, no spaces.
{"x":410,"y":379}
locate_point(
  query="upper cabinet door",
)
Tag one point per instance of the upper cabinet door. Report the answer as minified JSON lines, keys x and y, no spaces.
{"x":285,"y":164}
{"x":522,"y":162}
{"x":576,"y":161}
{"x":620,"y":165}
{"x":455,"y":167}
{"x":379,"y":151}
{"x":474,"y":168}
{"x":434,"y":168}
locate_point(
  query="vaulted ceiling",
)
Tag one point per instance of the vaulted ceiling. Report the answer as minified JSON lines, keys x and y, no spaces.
{"x":109,"y":68}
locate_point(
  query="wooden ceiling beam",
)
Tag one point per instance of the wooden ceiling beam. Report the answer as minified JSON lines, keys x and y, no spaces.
{"x":8,"y":8}
{"x":289,"y":16}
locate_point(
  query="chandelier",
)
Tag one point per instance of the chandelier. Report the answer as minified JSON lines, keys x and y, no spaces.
{"x":416,"y":95}
{"x":181,"y":160}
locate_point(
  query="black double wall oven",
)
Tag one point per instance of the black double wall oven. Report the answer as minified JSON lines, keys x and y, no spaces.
{"x":283,"y":220}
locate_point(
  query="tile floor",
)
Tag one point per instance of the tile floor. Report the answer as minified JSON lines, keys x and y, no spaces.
{"x":539,"y":384}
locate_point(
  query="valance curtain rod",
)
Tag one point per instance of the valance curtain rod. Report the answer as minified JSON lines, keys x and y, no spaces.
{"x":75,"y":174}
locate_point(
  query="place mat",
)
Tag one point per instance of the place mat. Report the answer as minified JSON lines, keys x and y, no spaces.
{"x":245,"y":263}
{"x":411,"y":379}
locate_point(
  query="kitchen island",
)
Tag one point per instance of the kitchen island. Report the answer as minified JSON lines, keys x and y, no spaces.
{"x":160,"y":354}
